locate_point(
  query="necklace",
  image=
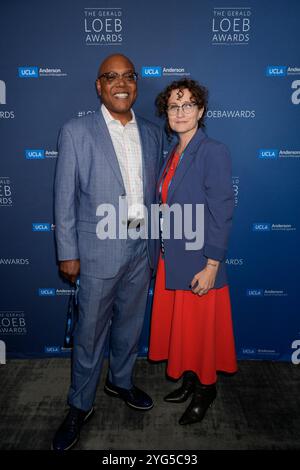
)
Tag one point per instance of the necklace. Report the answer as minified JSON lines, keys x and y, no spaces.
{"x":174,"y":160}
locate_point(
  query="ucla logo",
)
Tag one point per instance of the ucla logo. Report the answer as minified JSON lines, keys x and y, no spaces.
{"x":276,"y":71}
{"x":34,"y":154}
{"x":248,"y":351}
{"x":46,"y":292}
{"x":254,"y":292}
{"x":268,"y":153}
{"x":28,"y":72}
{"x":52,"y":349}
{"x":258,"y":227}
{"x":151,"y":72}
{"x":41,"y":227}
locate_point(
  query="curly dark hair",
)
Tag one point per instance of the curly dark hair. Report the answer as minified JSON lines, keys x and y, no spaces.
{"x":199,"y":94}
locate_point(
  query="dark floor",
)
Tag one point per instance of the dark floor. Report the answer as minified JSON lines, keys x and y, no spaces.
{"x":258,"y":408}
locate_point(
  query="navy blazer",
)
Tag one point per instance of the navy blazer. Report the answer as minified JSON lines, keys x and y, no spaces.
{"x":202,"y":177}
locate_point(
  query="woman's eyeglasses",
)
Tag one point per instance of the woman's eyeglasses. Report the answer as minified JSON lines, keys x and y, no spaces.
{"x":187,"y":108}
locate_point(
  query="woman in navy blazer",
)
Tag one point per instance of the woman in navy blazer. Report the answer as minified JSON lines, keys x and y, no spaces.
{"x":191,"y":323}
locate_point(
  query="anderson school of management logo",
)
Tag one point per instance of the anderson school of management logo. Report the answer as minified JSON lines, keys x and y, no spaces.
{"x":279,"y":71}
{"x":40,"y":154}
{"x":156,"y":71}
{"x":37,"y":72}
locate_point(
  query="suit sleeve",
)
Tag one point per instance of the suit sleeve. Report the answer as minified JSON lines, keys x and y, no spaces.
{"x":65,"y":197}
{"x":220,"y":202}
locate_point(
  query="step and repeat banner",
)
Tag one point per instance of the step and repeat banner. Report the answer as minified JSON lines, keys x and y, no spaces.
{"x":247,"y":54}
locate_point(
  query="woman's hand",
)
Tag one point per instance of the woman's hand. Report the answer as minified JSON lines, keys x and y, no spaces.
{"x":206,"y":278}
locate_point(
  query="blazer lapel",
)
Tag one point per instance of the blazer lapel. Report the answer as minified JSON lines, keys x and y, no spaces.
{"x":166,"y":159}
{"x":146,"y":160}
{"x":106,"y":145}
{"x":185,"y":163}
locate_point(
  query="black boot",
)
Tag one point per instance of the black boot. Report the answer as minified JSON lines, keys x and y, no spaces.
{"x":203,"y":398}
{"x":69,"y":431}
{"x":182,"y":393}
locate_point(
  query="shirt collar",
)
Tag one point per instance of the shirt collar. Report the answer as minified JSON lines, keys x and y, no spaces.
{"x":109,"y":118}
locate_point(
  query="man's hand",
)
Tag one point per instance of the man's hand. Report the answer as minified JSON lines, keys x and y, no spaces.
{"x":70,"y":269}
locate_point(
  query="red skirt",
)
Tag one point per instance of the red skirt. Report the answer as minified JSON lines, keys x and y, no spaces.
{"x":192,"y":332}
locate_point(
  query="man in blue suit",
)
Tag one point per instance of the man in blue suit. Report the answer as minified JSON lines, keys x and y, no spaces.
{"x":105,"y":160}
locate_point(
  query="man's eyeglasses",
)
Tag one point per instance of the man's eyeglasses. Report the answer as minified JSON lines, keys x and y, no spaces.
{"x":112,"y":77}
{"x":187,"y":108}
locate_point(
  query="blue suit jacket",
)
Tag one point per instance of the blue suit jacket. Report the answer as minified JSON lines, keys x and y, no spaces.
{"x":87,"y":175}
{"x":202,"y":177}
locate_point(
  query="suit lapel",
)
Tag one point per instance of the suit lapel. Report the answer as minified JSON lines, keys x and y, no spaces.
{"x":146,"y":161}
{"x":186,"y":161}
{"x":166,"y":159}
{"x":106,"y":145}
